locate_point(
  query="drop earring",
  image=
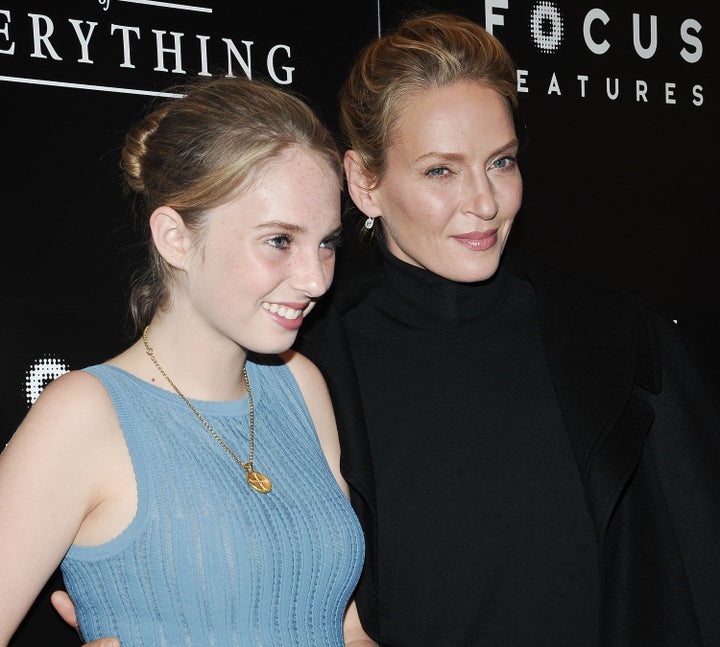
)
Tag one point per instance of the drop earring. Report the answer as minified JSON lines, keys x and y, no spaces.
{"x":369,"y":223}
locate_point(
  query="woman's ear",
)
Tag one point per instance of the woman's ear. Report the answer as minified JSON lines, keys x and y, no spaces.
{"x":360,"y":186}
{"x":170,"y":235}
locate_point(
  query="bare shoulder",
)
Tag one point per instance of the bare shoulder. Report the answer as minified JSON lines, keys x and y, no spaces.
{"x":71,"y":383}
{"x":314,"y":391}
{"x":305,"y":371}
{"x":73,"y":391}
{"x":71,"y":448}
{"x":73,"y":407}
{"x":316,"y":395}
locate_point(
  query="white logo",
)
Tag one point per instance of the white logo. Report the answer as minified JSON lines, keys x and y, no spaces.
{"x":38,"y":43}
{"x":546,"y":27}
{"x":41,"y":372}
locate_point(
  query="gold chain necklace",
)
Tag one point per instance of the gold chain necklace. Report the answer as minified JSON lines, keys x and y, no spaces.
{"x":257,"y":481}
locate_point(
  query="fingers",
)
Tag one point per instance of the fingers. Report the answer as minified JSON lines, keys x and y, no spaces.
{"x":66,"y":610}
{"x":64,"y":606}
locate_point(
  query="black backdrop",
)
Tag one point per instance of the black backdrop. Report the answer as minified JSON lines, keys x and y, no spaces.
{"x":619,"y":103}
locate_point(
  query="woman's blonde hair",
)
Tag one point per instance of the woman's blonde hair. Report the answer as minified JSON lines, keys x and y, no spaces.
{"x":425,"y":51}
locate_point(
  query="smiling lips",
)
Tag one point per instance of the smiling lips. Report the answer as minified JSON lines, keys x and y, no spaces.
{"x":478,"y":240}
{"x":283,"y":311}
{"x":287,"y":316}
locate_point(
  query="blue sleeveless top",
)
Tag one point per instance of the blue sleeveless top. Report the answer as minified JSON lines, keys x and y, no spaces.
{"x":207,"y":561}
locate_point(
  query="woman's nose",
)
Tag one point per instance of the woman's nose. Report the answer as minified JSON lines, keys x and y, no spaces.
{"x":480,"y":200}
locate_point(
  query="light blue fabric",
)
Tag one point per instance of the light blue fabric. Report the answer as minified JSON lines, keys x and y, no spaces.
{"x":207,"y":561}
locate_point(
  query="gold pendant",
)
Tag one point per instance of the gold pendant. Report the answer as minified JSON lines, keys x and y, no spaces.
{"x":259,"y":482}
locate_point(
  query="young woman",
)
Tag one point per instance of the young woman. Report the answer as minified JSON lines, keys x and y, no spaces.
{"x":190,"y":487}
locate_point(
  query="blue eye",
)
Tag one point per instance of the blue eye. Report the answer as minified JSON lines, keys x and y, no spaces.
{"x":332,"y":243}
{"x":437,"y":171}
{"x":504,"y":162}
{"x":281,"y":241}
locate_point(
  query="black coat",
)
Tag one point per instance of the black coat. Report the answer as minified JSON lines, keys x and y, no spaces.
{"x":644,"y":426}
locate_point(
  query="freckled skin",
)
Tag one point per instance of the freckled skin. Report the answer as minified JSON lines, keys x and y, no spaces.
{"x":272,"y":244}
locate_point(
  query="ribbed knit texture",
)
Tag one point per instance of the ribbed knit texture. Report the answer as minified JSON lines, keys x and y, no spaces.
{"x":207,"y":561}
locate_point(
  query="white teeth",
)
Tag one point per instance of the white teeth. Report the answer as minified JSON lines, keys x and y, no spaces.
{"x":283,"y":311}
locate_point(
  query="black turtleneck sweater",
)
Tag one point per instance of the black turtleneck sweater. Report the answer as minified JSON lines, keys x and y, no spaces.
{"x":483,"y":535}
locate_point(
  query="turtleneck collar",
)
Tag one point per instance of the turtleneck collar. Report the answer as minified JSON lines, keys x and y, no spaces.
{"x":418,"y":298}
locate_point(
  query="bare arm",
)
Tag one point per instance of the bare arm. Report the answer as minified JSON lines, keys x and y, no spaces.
{"x":46,"y":491}
{"x":315,"y":392}
{"x":355,"y":635}
{"x":312,"y":384}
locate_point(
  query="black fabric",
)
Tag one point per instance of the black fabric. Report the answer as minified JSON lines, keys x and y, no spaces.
{"x":411,"y":298}
{"x":644,"y":431}
{"x":477,"y":487}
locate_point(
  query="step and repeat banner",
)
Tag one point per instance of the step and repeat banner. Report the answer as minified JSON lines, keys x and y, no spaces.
{"x":619,"y":105}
